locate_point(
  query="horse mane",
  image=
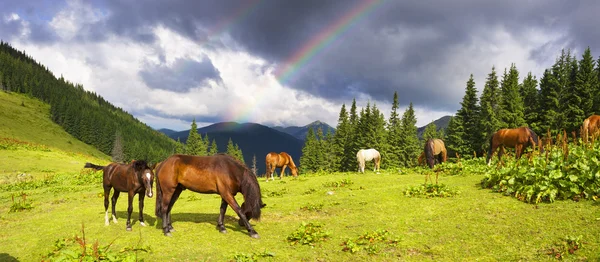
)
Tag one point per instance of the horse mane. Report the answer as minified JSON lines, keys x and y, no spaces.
{"x":535,"y":140}
{"x":139,"y":165}
{"x":429,"y":150}
{"x":250,"y":190}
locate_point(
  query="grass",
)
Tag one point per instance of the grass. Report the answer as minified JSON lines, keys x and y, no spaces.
{"x":30,"y":143}
{"x":475,"y":224}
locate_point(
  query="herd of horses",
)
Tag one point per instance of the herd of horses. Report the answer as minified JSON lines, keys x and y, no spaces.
{"x":226,"y":176}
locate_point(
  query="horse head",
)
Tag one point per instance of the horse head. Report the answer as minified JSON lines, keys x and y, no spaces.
{"x":143,"y":171}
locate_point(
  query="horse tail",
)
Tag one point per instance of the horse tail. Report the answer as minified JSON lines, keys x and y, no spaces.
{"x":586,"y":128}
{"x":159,"y":195}
{"x":90,"y":165}
{"x":252,"y":196}
{"x":535,"y":140}
{"x":429,"y":151}
{"x":489,"y":154}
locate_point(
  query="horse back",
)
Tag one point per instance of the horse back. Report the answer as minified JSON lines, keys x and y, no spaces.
{"x":119,"y":176}
{"x":202,"y":174}
{"x":438,"y":146}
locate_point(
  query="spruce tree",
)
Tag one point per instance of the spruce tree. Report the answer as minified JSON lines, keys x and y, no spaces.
{"x":213,"y":148}
{"x":352,"y":144}
{"x":574,"y":101}
{"x":469,"y":116}
{"x":586,"y":83}
{"x":308,"y":160}
{"x":179,"y":147}
{"x":552,"y":88}
{"x":193,"y":145}
{"x":340,"y":139}
{"x":117,"y":151}
{"x":410,"y":141}
{"x":488,"y":109}
{"x":596,"y":91}
{"x":380,"y":134}
{"x":511,"y":104}
{"x":394,"y":129}
{"x":234,"y":151}
{"x":531,"y":112}
{"x":430,"y":132}
{"x":454,"y":137}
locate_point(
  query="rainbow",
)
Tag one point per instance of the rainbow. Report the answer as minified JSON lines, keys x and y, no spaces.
{"x":299,"y":59}
{"x":323,"y":39}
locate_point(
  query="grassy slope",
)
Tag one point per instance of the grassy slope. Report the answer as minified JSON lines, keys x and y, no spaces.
{"x":476,"y":224}
{"x":27,"y":119}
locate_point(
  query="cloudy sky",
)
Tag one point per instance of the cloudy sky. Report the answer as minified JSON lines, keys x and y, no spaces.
{"x":291,"y":62}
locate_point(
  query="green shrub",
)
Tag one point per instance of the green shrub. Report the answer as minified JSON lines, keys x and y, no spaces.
{"x":371,"y":242}
{"x":308,"y":234}
{"x":430,"y":190}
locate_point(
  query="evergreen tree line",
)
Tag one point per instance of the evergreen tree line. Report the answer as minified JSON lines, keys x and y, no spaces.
{"x":198,"y":145}
{"x":83,"y":114}
{"x":395,"y":138}
{"x":566,"y":94}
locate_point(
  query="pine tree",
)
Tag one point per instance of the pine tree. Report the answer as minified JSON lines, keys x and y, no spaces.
{"x":117,"y":151}
{"x":380,"y":133}
{"x":430,"y":132}
{"x":410,"y":146}
{"x":531,"y":112}
{"x":553,"y":87}
{"x":179,"y":147}
{"x":454,"y":136}
{"x":193,"y":145}
{"x":511,"y":104}
{"x":574,"y":100}
{"x":469,"y":114}
{"x":213,"y":148}
{"x":239,"y":154}
{"x":393,"y":150}
{"x":340,"y":139}
{"x":586,"y":83}
{"x":596,"y":91}
{"x":352,"y":144}
{"x":254,"y":167}
{"x":308,"y":160}
{"x":320,"y":145}
{"x":488,"y":106}
{"x":234,"y":151}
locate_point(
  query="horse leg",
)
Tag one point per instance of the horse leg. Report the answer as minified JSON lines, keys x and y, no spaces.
{"x":223,"y":208}
{"x":106,"y":195}
{"x":141,"y":204}
{"x":518,"y":151}
{"x":174,"y":198}
{"x":282,"y":171}
{"x":491,"y":154}
{"x":130,"y":196}
{"x":234,"y":205}
{"x":114,"y":204}
{"x":500,"y":153}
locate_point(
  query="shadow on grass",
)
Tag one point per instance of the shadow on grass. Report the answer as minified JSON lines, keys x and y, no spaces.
{"x":7,"y":258}
{"x":149,"y":219}
{"x":230,"y":222}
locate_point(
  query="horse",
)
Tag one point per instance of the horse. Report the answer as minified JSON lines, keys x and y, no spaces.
{"x":517,"y":138}
{"x":434,"y":150}
{"x":217,"y":174}
{"x":368,"y":155}
{"x":133,"y":178}
{"x":282,"y":160}
{"x":591,"y":126}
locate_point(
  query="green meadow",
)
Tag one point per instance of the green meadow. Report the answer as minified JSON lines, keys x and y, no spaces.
{"x":52,"y":209}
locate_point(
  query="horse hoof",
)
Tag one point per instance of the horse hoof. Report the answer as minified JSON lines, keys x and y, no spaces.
{"x":168,"y":234}
{"x":223,"y":231}
{"x":128,"y":228}
{"x":142,"y":224}
{"x":255,"y":235}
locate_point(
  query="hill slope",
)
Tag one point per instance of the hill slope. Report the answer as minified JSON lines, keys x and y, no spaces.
{"x":253,"y":139}
{"x":441,"y":123}
{"x":31,"y":143}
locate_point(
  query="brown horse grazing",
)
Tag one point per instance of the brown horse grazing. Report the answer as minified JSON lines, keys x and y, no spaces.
{"x":434,"y":150}
{"x":591,"y":126}
{"x":218,"y":174}
{"x":517,"y":138}
{"x":133,"y":178}
{"x":282,"y":160}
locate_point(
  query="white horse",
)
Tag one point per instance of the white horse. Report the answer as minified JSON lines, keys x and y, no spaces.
{"x":368,"y":155}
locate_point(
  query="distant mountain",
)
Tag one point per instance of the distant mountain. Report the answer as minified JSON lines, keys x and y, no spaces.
{"x":167,"y":131}
{"x":441,"y":123}
{"x":253,"y":139}
{"x":301,"y":131}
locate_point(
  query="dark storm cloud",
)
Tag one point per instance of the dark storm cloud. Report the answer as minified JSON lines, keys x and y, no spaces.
{"x":180,"y":77}
{"x":404,"y":46}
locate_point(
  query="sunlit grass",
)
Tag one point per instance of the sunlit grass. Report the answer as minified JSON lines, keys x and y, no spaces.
{"x":475,"y":224}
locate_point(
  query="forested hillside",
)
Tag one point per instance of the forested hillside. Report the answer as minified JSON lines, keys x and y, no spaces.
{"x":83,"y":114}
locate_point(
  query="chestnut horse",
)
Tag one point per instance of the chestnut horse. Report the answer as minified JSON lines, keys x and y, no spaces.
{"x":282,"y":160}
{"x":517,"y":138}
{"x":133,"y":178}
{"x":217,"y":174}
{"x":591,"y":126}
{"x":434,"y":150}
{"x":368,"y":155}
